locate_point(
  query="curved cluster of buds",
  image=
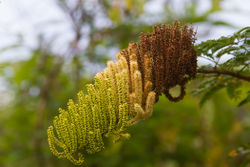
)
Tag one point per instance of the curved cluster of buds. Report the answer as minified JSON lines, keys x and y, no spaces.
{"x":125,"y":92}
{"x":172,"y":56}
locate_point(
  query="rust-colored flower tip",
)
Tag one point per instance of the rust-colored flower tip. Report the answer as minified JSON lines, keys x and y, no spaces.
{"x":166,"y":58}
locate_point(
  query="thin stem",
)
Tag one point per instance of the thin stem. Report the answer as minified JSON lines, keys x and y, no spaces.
{"x":224,"y":72}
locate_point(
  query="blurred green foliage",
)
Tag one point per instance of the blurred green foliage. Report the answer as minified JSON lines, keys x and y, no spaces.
{"x":177,"y":135}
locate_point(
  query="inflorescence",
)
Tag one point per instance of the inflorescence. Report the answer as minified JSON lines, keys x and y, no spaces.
{"x":125,"y":92}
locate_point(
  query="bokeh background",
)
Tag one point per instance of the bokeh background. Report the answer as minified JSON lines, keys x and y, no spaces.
{"x":50,"y":49}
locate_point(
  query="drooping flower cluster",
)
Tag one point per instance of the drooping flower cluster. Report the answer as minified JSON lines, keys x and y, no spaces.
{"x":124,"y":92}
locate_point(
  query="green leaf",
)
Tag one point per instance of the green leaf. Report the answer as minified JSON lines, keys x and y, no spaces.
{"x":205,"y":85}
{"x":233,"y":90}
{"x":222,"y":23}
{"x":246,"y":100}
{"x":227,"y":50}
{"x":209,"y":94}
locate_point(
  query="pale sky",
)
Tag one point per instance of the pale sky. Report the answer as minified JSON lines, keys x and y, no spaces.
{"x":32,"y":17}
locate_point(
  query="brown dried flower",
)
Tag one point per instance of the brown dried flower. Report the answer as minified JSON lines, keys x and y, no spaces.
{"x":166,"y":58}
